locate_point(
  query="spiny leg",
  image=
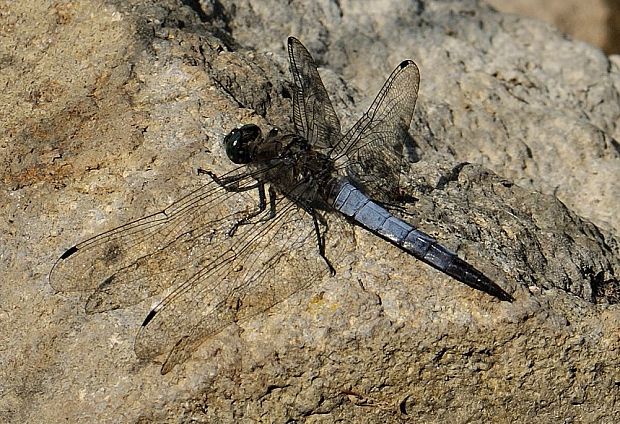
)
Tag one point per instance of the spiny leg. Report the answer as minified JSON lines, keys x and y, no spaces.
{"x":262,"y":205}
{"x":399,"y":204}
{"x":229,"y":184}
{"x":320,"y":238}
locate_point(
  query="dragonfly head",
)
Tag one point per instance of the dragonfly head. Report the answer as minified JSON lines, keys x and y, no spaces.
{"x":238,"y":143}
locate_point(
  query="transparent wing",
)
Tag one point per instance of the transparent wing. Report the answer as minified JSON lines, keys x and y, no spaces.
{"x":269,"y":261}
{"x":214,"y":278}
{"x":372,"y":150}
{"x":137,"y":260}
{"x":313,"y":113}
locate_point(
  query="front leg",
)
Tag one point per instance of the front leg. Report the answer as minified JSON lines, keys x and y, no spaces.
{"x":229,"y":184}
{"x":262,"y":205}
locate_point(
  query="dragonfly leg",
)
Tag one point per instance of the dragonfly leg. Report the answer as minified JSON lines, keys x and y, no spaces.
{"x":320,"y":238}
{"x":391,"y":207}
{"x":262,"y":205}
{"x":229,"y":184}
{"x":399,"y":204}
{"x":272,"y":203}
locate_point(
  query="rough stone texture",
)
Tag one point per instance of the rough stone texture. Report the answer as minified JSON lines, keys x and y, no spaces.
{"x":593,"y":21}
{"x":109,"y":108}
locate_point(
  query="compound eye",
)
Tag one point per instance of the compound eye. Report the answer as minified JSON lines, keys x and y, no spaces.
{"x":241,"y":142}
{"x":233,"y":137}
{"x":249,"y":132}
{"x":236,"y":145}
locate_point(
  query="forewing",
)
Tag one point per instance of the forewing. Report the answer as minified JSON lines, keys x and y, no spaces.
{"x":137,"y":260}
{"x":371,"y":152}
{"x":313,"y":113}
{"x":268,"y":261}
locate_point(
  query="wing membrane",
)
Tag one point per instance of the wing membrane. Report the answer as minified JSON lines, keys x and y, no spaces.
{"x":248,"y":278}
{"x":139,"y":259}
{"x":374,"y":145}
{"x":215,"y":278}
{"x":313,"y":113}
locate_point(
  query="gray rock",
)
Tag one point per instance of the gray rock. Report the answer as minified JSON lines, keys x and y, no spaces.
{"x":109,"y":109}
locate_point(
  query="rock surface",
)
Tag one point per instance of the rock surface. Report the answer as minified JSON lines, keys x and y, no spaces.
{"x":108,"y":109}
{"x":594,"y":22}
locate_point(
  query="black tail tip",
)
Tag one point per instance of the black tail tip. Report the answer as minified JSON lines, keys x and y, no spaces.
{"x":502,"y":295}
{"x":467,"y":274}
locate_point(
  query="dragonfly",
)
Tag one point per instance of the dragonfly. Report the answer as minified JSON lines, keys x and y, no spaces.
{"x":248,"y":239}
